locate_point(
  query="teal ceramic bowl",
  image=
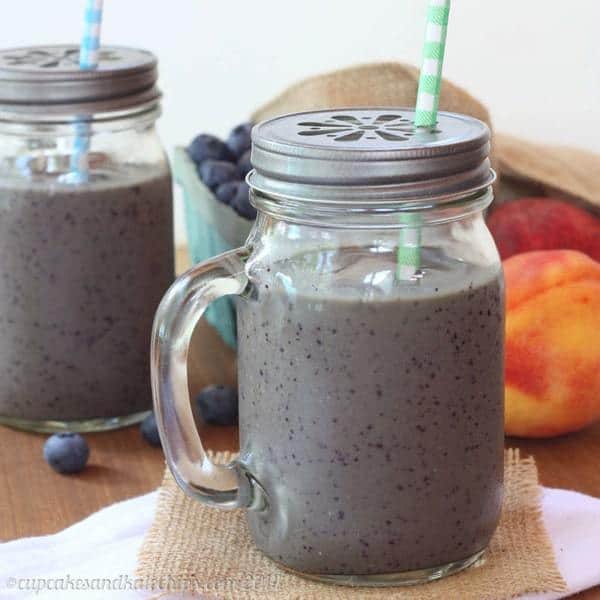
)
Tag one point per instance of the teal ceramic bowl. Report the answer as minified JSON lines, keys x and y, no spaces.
{"x":212,"y":228}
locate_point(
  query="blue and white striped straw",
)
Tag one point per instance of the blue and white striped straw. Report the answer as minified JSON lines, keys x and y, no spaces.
{"x":90,"y":42}
{"x":88,"y":59}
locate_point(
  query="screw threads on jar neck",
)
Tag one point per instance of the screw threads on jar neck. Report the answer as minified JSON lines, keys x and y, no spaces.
{"x":354,"y":215}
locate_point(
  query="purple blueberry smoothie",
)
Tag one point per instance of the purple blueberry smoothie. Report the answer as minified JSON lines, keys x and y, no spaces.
{"x":373,"y":417}
{"x":83,"y":270}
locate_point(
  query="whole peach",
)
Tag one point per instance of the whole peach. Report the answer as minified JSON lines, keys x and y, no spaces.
{"x":552,"y":342}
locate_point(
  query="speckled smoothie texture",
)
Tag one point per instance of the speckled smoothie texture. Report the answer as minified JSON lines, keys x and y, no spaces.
{"x":81,"y":275}
{"x":373,"y":418}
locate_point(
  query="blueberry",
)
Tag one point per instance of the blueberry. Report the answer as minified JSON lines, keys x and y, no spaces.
{"x":66,"y":452}
{"x":227,"y":191}
{"x":150,"y":430}
{"x":241,"y":202}
{"x":244,"y":164}
{"x":206,"y":146}
{"x":215,"y":172}
{"x":218,"y":405}
{"x":239,"y":139}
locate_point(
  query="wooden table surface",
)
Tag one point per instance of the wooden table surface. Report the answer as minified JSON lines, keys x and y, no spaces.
{"x":36,"y":501}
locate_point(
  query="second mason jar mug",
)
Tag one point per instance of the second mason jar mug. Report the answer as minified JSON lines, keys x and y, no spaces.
{"x":370,"y":312}
{"x":86,"y":236}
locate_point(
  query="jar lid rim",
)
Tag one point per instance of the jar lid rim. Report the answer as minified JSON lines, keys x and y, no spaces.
{"x":378,"y":150}
{"x":47,"y":78}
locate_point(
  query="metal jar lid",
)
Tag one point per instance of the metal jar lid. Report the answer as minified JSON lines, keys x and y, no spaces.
{"x":372,"y":155}
{"x":38,"y":81}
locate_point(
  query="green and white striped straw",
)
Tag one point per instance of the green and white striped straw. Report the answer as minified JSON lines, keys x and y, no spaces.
{"x":428,"y":96}
{"x":430,"y":80}
{"x":409,"y":249}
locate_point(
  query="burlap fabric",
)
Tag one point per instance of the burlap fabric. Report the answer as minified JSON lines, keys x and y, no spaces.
{"x":377,"y":84}
{"x":193,"y":548}
{"x":542,"y":170}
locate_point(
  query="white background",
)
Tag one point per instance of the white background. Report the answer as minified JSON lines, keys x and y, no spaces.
{"x":535,"y":63}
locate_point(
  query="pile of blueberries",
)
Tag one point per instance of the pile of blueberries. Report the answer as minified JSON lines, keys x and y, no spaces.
{"x":223,"y":166}
{"x":68,"y":452}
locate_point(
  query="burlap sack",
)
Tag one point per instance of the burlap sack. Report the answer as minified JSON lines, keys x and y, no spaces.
{"x":541,"y":170}
{"x":377,"y":84}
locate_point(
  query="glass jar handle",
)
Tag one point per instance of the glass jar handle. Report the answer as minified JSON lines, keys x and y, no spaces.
{"x":226,"y":486}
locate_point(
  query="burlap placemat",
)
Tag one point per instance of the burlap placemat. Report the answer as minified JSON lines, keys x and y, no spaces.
{"x":191,"y":547}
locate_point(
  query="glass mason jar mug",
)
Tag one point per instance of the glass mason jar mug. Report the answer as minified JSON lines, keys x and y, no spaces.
{"x":370,"y":350}
{"x":85,"y":236}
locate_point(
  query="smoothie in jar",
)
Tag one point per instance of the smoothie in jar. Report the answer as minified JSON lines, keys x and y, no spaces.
{"x":80,"y":280}
{"x":370,"y":309}
{"x":389,"y":406}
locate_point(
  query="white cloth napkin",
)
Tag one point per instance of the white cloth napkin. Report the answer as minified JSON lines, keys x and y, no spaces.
{"x":104,"y":547}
